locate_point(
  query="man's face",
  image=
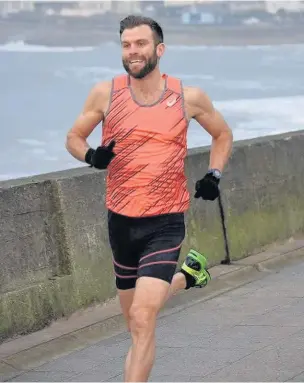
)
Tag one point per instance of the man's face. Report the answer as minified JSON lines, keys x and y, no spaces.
{"x":139,"y":53}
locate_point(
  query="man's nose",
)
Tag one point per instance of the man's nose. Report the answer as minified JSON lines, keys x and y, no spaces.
{"x":133,"y":50}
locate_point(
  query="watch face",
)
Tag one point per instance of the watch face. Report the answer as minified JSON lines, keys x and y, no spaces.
{"x":215,"y":172}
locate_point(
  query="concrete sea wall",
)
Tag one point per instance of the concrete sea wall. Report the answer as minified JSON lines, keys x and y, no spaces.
{"x":55,"y":256}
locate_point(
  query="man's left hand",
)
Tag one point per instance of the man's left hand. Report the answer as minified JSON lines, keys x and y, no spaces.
{"x":207,"y":188}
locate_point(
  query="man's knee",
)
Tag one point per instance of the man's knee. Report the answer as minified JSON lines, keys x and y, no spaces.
{"x":126,"y":300}
{"x":142,"y":318}
{"x":150,"y":295}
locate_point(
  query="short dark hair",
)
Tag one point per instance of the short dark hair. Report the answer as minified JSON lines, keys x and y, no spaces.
{"x":133,"y":21}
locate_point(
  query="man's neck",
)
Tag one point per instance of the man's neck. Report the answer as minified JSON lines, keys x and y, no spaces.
{"x":152,"y":83}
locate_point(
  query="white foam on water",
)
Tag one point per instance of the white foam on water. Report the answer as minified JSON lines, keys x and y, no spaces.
{"x":264,"y":105}
{"x":88,"y":74}
{"x":252,"y":118}
{"x":38,"y":151}
{"x":31,"y":142}
{"x":196,"y":76}
{"x":95,"y":70}
{"x":243,"y":84}
{"x":198,"y":48}
{"x":21,"y":46}
{"x":93,"y":74}
{"x":260,"y":117}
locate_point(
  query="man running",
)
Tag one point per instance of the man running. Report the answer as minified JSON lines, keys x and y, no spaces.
{"x":145,"y":116}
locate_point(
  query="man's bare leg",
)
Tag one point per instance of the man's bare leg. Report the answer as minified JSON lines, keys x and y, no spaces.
{"x":126,"y":299}
{"x":150,"y":295}
{"x":178,"y":283}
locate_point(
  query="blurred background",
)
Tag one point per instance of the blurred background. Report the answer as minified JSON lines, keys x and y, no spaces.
{"x":247,"y":55}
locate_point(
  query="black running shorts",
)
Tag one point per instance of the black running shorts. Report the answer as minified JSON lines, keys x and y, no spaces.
{"x":146,"y":246}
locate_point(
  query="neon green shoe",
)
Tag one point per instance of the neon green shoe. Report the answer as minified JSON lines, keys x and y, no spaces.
{"x":195,"y":264}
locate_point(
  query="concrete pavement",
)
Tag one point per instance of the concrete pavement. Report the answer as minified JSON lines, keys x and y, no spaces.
{"x":252,"y":333}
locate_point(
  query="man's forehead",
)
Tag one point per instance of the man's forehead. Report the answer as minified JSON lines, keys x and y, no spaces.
{"x":136,"y":33}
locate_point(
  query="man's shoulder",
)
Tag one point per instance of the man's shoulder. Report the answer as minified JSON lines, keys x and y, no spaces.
{"x":106,"y":87}
{"x":193,"y":92}
{"x":100,"y":95}
{"x":102,"y":88}
{"x":196,"y":100}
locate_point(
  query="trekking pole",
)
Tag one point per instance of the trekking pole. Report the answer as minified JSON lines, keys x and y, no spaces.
{"x":226,"y":260}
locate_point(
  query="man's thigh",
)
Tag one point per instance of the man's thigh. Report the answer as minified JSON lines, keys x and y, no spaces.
{"x":160,"y":254}
{"x":125,"y":257}
{"x":145,"y":255}
{"x":149,"y":297}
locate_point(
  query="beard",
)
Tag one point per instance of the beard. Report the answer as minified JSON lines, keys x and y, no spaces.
{"x":149,"y":66}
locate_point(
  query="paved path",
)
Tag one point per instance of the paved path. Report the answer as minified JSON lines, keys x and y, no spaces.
{"x":253,"y":333}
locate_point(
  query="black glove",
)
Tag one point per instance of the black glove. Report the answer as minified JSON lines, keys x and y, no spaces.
{"x":207,"y":188}
{"x":101,"y":157}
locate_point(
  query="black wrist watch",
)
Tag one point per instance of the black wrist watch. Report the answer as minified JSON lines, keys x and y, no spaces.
{"x":215,"y":172}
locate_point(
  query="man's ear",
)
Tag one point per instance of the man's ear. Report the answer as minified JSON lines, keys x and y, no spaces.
{"x":160,"y":50}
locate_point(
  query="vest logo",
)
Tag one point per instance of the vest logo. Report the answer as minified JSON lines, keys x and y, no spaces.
{"x":172,"y":101}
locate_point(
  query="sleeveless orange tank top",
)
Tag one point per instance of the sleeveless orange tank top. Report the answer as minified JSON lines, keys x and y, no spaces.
{"x":146,"y":177}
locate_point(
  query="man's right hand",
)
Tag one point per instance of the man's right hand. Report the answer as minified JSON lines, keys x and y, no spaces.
{"x":101,"y":157}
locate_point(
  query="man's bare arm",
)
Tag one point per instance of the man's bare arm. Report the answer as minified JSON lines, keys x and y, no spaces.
{"x":91,"y":115}
{"x":200,"y":107}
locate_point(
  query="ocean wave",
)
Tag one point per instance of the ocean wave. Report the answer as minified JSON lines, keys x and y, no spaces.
{"x":253,"y":47}
{"x":252,"y":118}
{"x":88,"y":75}
{"x":21,"y":46}
{"x":264,"y":116}
{"x":31,"y":142}
{"x":92,"y":74}
{"x":274,"y":105}
{"x":195,"y":76}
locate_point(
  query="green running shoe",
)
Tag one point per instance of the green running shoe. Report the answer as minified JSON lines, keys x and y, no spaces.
{"x":195,"y":264}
